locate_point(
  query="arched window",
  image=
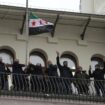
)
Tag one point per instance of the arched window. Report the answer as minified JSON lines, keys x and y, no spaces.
{"x":7,"y":56}
{"x":38,"y":56}
{"x":71,"y":58}
{"x":96,"y":59}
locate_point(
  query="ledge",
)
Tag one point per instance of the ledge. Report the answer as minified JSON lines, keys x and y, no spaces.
{"x":82,"y":43}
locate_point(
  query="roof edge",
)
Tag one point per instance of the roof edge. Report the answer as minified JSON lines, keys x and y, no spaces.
{"x":52,"y":11}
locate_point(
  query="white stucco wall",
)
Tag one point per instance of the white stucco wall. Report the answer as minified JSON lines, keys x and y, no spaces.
{"x":99,"y":6}
{"x":93,"y":6}
{"x":87,"y":6}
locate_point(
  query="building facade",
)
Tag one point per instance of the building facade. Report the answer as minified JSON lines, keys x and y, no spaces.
{"x":66,"y":40}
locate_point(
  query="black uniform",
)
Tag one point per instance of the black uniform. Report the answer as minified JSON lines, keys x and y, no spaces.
{"x":18,"y":76}
{"x":3,"y":75}
{"x":52,"y":82}
{"x":66,"y":73}
{"x":52,"y":70}
{"x":36,"y":78}
{"x":82,"y":81}
{"x":98,"y":75}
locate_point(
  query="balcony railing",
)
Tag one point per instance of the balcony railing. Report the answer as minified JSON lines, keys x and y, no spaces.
{"x":52,"y":87}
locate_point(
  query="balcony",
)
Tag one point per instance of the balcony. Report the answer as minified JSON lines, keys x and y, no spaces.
{"x":54,"y":89}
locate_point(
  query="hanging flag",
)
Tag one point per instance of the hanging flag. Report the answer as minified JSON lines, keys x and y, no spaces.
{"x":38,"y":25}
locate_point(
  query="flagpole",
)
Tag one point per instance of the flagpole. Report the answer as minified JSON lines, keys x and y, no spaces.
{"x":27,"y":32}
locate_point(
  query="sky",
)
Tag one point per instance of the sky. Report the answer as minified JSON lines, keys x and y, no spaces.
{"x":63,"y":5}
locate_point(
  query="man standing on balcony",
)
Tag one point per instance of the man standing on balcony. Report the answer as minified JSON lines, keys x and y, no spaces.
{"x":53,"y":77}
{"x":36,"y":78}
{"x":18,"y":75}
{"x":82,"y":81}
{"x":52,"y":69}
{"x":98,"y":76}
{"x":3,"y":75}
{"x":66,"y":73}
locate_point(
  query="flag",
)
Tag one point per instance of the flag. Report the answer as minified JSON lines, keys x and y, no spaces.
{"x":38,"y":25}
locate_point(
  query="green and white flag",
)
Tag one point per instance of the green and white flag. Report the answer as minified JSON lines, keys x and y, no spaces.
{"x":38,"y":25}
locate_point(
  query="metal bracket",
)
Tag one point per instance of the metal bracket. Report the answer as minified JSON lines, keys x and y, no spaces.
{"x":57,"y":19}
{"x":85,"y":28}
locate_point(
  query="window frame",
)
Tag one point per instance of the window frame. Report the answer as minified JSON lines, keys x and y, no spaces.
{"x":71,"y":57}
{"x":41,"y":55}
{"x":9,"y":52}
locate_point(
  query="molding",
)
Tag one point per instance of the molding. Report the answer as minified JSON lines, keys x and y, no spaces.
{"x":82,"y":42}
{"x":96,"y":42}
{"x":10,"y":34}
{"x":52,"y":40}
{"x":21,"y":37}
{"x":43,"y":101}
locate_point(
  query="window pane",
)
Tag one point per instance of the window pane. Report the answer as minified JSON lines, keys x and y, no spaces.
{"x":34,"y":59}
{"x":6,"y":58}
{"x":93,"y":63}
{"x":71,"y":64}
